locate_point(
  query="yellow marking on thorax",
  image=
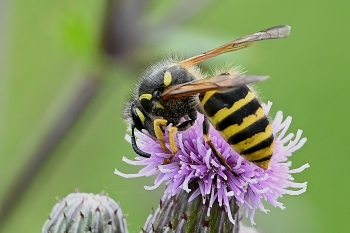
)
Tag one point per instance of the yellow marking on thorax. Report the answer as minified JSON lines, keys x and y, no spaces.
{"x":247,"y":121}
{"x":145,"y":96}
{"x":141,"y":116}
{"x":207,"y":96}
{"x":167,"y":78}
{"x":224,"y":112}
{"x":254,"y":140}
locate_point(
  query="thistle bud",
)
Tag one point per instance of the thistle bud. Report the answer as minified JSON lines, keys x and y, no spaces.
{"x":83,"y":212}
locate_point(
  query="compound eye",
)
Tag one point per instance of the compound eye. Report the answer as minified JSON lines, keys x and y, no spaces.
{"x":137,"y":117}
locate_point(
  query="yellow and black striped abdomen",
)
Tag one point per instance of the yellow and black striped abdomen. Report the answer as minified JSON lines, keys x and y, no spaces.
{"x":241,"y":121}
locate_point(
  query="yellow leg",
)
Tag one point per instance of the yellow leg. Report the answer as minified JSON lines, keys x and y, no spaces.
{"x":158,"y":123}
{"x":173,"y":145}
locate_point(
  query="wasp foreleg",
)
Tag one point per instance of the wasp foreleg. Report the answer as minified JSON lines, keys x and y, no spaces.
{"x":135,"y":147}
{"x":158,"y":123}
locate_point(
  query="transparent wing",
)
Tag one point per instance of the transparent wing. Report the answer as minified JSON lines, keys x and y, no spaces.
{"x":220,"y":82}
{"x":276,"y":32}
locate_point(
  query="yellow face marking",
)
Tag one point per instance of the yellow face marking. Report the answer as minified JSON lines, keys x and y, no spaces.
{"x":167,"y":78}
{"x":224,"y":112}
{"x":141,"y":116}
{"x":254,"y":140}
{"x":247,"y":121}
{"x":207,"y":96}
{"x":145,"y":96}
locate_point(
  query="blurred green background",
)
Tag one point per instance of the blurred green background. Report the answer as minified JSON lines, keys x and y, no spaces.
{"x":66,"y":68}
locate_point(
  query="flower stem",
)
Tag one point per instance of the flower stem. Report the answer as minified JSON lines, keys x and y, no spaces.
{"x":178,"y":214}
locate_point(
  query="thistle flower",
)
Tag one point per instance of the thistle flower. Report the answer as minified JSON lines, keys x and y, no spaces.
{"x":248,"y":184}
{"x":176,"y":214}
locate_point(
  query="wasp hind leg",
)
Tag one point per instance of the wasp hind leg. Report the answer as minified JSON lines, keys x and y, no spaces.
{"x":207,"y":139}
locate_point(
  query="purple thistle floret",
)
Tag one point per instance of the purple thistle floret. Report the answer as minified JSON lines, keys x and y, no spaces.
{"x":195,"y":162}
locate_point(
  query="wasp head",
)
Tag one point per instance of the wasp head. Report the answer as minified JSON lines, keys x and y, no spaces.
{"x":147,"y":104}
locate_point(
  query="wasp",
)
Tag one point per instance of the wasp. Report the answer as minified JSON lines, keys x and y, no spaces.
{"x":171,"y":91}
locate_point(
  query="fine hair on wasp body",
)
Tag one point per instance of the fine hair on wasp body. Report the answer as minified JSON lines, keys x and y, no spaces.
{"x":171,"y":91}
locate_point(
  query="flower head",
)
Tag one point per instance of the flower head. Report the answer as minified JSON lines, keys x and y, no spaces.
{"x":248,"y":184}
{"x":86,"y":212}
